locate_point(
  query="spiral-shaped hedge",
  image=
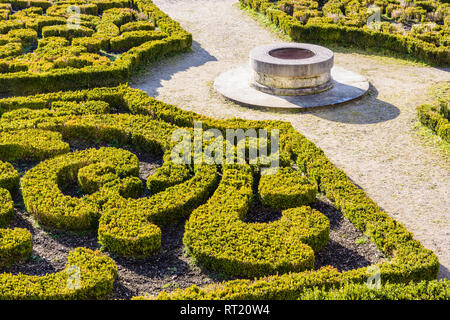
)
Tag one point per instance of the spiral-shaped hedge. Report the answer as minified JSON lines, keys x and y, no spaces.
{"x":212,"y":198}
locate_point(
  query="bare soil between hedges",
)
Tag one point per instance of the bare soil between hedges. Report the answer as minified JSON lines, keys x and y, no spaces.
{"x":170,"y":268}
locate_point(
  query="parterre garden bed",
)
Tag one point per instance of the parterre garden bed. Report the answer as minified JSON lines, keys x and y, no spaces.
{"x":87,"y":176}
{"x":42,"y":49}
{"x":420,"y":29}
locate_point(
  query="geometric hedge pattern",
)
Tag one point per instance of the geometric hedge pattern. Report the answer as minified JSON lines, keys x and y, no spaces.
{"x":40,"y":53}
{"x":42,"y":127}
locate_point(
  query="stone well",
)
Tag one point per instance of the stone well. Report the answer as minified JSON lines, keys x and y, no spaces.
{"x":291,"y":69}
{"x":291,"y":76}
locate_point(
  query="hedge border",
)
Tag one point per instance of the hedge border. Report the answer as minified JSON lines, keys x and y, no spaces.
{"x":126,"y":226}
{"x":409,"y":260}
{"x":344,"y":35}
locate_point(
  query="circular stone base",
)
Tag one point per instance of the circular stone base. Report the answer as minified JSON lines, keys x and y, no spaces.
{"x":235,"y":85}
{"x":292,"y":92}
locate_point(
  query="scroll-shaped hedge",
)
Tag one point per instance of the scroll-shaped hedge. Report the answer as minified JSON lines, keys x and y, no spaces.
{"x":9,"y":177}
{"x":44,"y":199}
{"x":287,"y":188}
{"x":431,"y":47}
{"x":436,"y":115}
{"x":169,"y":174}
{"x":108,"y":177}
{"x":88,"y":275}
{"x":218,"y":239}
{"x":15,"y":244}
{"x":127,"y":226}
{"x":408,"y":259}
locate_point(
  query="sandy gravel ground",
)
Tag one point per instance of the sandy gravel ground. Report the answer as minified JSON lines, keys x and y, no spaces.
{"x":373,"y":139}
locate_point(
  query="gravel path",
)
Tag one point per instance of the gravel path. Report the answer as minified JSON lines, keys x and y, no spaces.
{"x":373,"y":139}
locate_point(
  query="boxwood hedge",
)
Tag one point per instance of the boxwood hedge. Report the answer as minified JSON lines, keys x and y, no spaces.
{"x":96,"y":273}
{"x":130,"y":226}
{"x":424,"y":290}
{"x":218,"y":239}
{"x":436,"y":114}
{"x":111,"y":26}
{"x":287,"y":188}
{"x":325,"y":286}
{"x":15,"y":244}
{"x":108,"y":176}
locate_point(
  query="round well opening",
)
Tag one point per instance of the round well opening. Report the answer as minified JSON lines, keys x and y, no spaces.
{"x":291,"y":53}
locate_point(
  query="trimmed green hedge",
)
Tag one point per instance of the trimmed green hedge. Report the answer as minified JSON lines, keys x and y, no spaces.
{"x":287,"y":188}
{"x":150,"y":127}
{"x":436,"y":115}
{"x":424,"y":290}
{"x":31,"y":144}
{"x":130,"y":39}
{"x":9,"y":177}
{"x":92,"y":45}
{"x":6,"y":208}
{"x":169,"y":174}
{"x":218,"y":239}
{"x":328,"y":32}
{"x":137,"y":26}
{"x":96,"y":273}
{"x":28,"y":37}
{"x":101,"y":176}
{"x":15,"y":244}
{"x":65,"y":32}
{"x":327,"y":284}
{"x":41,"y":186}
{"x":59,"y":109}
{"x":52,"y":68}
{"x":10,"y":50}
{"x":128,"y":228}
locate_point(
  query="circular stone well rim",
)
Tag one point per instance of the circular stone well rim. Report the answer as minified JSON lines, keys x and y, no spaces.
{"x":284,"y":53}
{"x":321,"y":62}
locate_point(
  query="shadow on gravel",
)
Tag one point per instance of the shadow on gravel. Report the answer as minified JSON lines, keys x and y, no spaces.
{"x":366,"y":110}
{"x":149,"y":80}
{"x":444,"y":273}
